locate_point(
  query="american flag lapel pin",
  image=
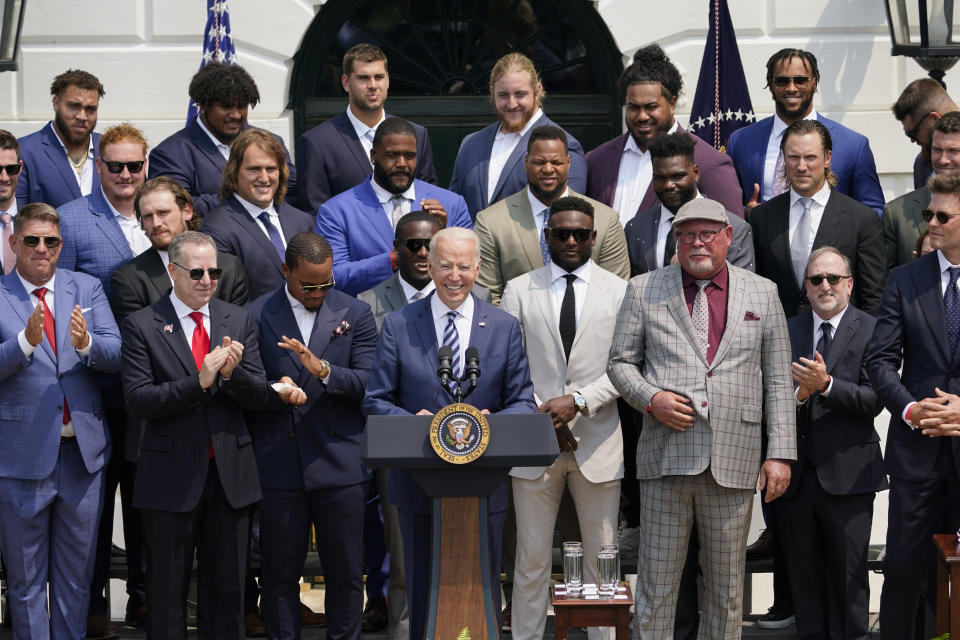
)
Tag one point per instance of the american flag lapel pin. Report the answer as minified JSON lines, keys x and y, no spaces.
{"x":168,"y":328}
{"x":481,"y":324}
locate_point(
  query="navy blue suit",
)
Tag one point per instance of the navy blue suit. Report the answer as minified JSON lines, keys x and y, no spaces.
{"x":403,"y":381}
{"x":472,"y":167}
{"x":332,"y":160}
{"x":190,"y":157}
{"x":309,"y":462}
{"x":357,"y":228}
{"x":47,"y":175}
{"x":852,"y":160}
{"x":237,"y":233}
{"x":924,"y":472}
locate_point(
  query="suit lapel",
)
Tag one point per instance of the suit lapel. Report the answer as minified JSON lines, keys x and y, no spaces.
{"x":780,"y":235}
{"x":426,"y":329}
{"x":278,"y":315}
{"x":648,"y":239}
{"x":327,"y":320}
{"x":349,"y":136}
{"x":376,"y":216}
{"x":595,"y":299}
{"x":526,"y":227}
{"x":515,"y":156}
{"x":156,"y":274}
{"x":677,"y":305}
{"x":108,"y":225}
{"x":58,"y":159}
{"x":804,"y":346}
{"x":920,"y":199}
{"x":393,"y":292}
{"x":849,"y":325}
{"x":64,"y":294}
{"x":168,"y":326}
{"x":219,"y":324}
{"x":736,"y":309}
{"x":486,"y":136}
{"x":930,"y":297}
{"x":543,"y":294}
{"x":203,"y":142}
{"x":753,"y":172}
{"x":287,"y":228}
{"x":245,"y":222}
{"x":479,"y":332}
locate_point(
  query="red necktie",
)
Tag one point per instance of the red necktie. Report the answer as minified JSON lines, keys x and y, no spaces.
{"x":50,"y":331}
{"x":200,"y":346}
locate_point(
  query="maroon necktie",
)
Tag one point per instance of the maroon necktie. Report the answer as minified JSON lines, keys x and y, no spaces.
{"x":200,"y":346}
{"x":50,"y":331}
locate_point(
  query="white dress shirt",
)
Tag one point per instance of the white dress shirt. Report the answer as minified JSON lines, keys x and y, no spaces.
{"x":187,"y":325}
{"x":85,"y":177}
{"x":537,"y":207}
{"x":462,"y":322}
{"x":385,"y":198}
{"x":558,"y":287}
{"x":224,"y":149}
{"x":132,"y":231}
{"x":834,"y":323}
{"x":365,"y":133}
{"x":817,"y":205}
{"x":773,"y":152}
{"x":255,"y":211}
{"x":633,"y":178}
{"x":304,"y":317}
{"x":410,"y":292}
{"x":503,"y":146}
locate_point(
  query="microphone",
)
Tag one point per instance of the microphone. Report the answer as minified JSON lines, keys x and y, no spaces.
{"x":472,"y":365}
{"x":444,"y":368}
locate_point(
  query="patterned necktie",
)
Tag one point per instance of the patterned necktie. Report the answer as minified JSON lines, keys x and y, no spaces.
{"x":670,"y":248}
{"x":826,"y":339}
{"x":397,"y":211}
{"x":544,"y":249}
{"x":418,"y":296}
{"x":273,"y":234}
{"x":452,"y":339}
{"x":9,"y":257}
{"x":951,"y":307}
{"x":49,"y":330}
{"x":780,"y":183}
{"x":701,"y":316}
{"x":800,"y":247}
{"x":568,"y":316}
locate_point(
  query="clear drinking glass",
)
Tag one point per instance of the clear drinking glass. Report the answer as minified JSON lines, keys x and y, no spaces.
{"x":573,"y":569}
{"x":608,"y":573}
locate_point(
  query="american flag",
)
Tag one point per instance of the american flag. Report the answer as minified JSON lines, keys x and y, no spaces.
{"x":217,"y":43}
{"x":722,"y":97}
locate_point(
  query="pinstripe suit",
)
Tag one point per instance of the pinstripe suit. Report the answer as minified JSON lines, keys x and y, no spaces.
{"x":655,"y":348}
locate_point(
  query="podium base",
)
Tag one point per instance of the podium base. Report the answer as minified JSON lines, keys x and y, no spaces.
{"x":461,"y":603}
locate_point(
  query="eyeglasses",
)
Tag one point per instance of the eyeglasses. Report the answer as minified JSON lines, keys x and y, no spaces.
{"x":11,"y":169}
{"x":706,"y":236}
{"x":942,"y":216}
{"x":197,"y":274}
{"x":414,"y":245}
{"x":832,"y":278}
{"x":134,"y":166}
{"x":51,"y":242}
{"x":783,"y":81}
{"x":581,"y":235}
{"x":308,"y":288}
{"x":912,"y":134}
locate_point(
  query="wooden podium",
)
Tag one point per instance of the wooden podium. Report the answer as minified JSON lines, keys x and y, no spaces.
{"x":460,"y":596}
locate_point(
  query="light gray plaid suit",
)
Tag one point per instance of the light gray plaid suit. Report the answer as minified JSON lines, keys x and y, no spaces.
{"x":707,"y":473}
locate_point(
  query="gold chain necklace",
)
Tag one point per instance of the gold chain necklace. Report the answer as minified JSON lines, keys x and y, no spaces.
{"x":77,"y":164}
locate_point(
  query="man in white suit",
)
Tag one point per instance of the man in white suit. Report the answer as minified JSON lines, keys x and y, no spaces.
{"x":701,"y":348}
{"x":567,"y":310}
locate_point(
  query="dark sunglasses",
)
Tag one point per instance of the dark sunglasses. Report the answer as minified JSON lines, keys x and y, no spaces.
{"x":414,"y":246}
{"x":197,"y":274}
{"x":581,"y":235}
{"x":783,"y":81}
{"x":308,"y":288}
{"x":51,"y":242}
{"x":832,"y":278}
{"x":706,"y":236}
{"x":134,"y":166}
{"x":942,"y":216}
{"x":912,"y":134}
{"x":11,"y":169}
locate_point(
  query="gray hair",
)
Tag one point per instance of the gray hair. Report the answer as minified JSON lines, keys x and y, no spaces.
{"x":175,"y":250}
{"x":816,"y":253}
{"x":455,"y":233}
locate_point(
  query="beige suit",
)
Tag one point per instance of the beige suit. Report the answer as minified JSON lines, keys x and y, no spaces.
{"x":510,"y":247}
{"x":593,"y":471}
{"x":707,"y":473}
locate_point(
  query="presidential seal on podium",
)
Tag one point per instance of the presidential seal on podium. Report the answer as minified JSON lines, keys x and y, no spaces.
{"x":459,"y":433}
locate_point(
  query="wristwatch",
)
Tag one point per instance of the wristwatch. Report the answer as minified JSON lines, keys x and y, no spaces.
{"x":324,"y":369}
{"x":580,"y":401}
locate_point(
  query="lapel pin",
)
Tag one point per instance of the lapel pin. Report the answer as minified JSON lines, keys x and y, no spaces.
{"x":168,"y":328}
{"x":481,"y":324}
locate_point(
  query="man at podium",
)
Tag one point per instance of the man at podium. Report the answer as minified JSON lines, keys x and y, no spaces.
{"x":404,"y":381}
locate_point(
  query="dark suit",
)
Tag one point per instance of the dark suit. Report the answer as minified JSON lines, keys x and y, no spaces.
{"x":190,"y":157}
{"x":924,"y":485}
{"x":332,"y":160}
{"x":46,"y":175}
{"x":235,"y":232}
{"x":190,"y":500}
{"x":846,"y":225}
{"x":903,"y":225}
{"x":641,"y":234}
{"x":826,"y":513}
{"x":471,"y":171}
{"x":403,"y":381}
{"x":309,"y":462}
{"x":718,"y":180}
{"x":922,"y":170}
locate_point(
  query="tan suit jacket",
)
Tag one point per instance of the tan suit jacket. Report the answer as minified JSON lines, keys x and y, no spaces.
{"x":748,"y":383}
{"x":510,"y":247}
{"x":529,"y":298}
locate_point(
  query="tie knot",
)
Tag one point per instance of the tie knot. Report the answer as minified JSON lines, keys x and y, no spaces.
{"x":6,"y":218}
{"x":805,"y":203}
{"x":570,"y":278}
{"x":451,"y":316}
{"x":954,"y":274}
{"x":702,"y":284}
{"x":40,"y":292}
{"x":197,"y":317}
{"x":264,"y":217}
{"x":369,"y":134}
{"x":826,"y":328}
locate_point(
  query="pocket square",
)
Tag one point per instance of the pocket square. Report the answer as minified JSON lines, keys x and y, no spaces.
{"x":750,"y":315}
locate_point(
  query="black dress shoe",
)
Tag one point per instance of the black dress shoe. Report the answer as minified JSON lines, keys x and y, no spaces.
{"x":374,"y":616}
{"x":99,"y":627}
{"x":136,"y":616}
{"x":778,"y":616}
{"x":762,"y":547}
{"x":311,"y":619}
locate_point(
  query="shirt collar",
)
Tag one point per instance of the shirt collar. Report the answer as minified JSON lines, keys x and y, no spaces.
{"x":779,"y":125}
{"x":183,"y":310}
{"x":216,"y":142}
{"x":29,"y":286}
{"x":439,"y":309}
{"x":820,"y":197}
{"x":295,"y":304}
{"x":582,"y":272}
{"x":535,"y":205}
{"x":536,"y":116}
{"x":384,"y":196}
{"x":409,"y":290}
{"x":720,"y":278}
{"x":632,"y":147}
{"x":253,"y":209}
{"x":116,"y":213}
{"x":833,"y":322}
{"x":944,"y":263}
{"x":13,"y":208}
{"x":64,"y":147}
{"x":362,"y":128}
